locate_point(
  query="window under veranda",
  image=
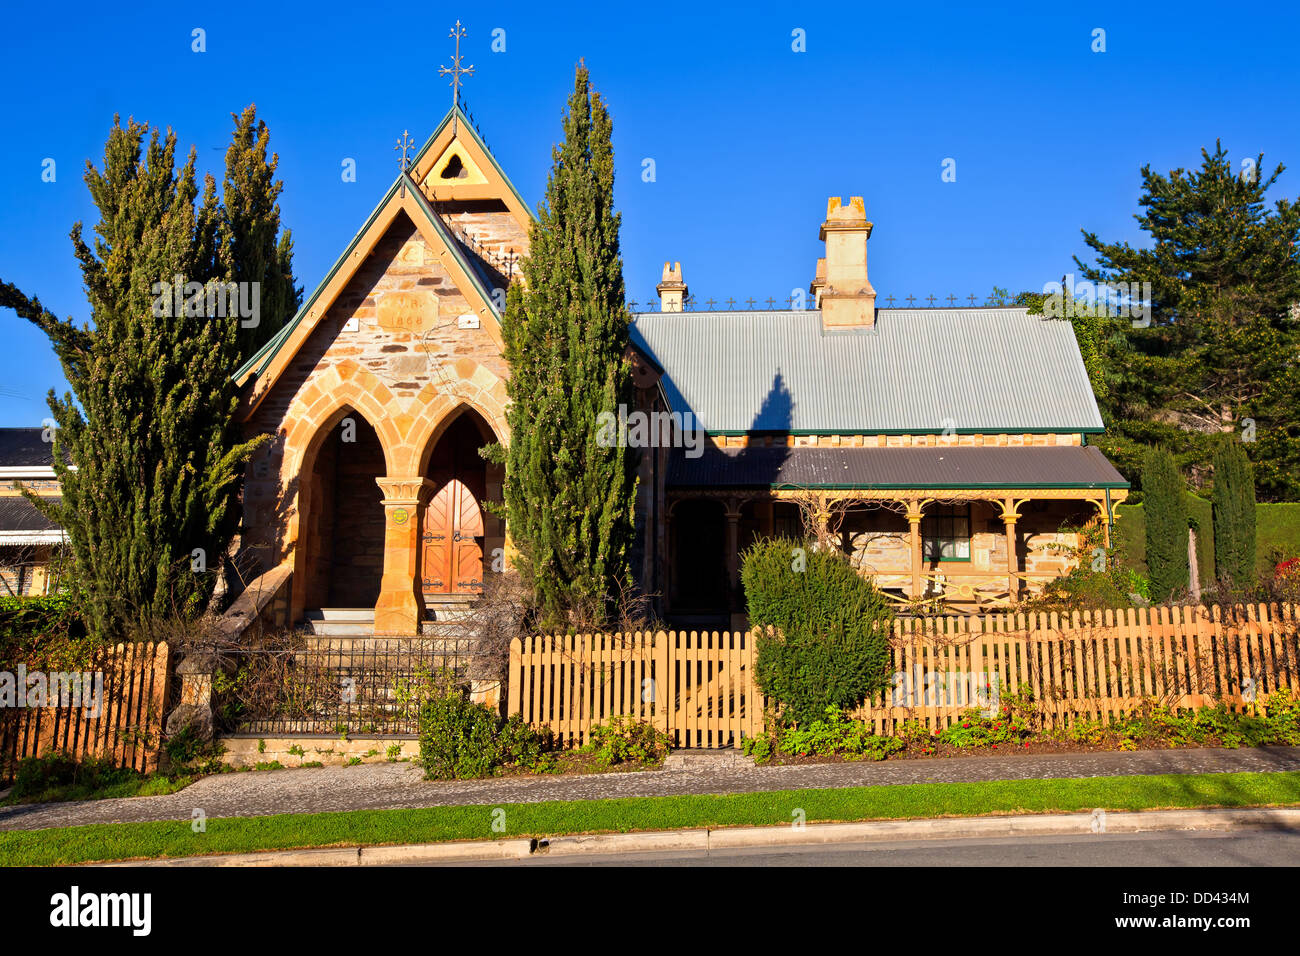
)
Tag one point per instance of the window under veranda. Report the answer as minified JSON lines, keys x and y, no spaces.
{"x":945,"y":533}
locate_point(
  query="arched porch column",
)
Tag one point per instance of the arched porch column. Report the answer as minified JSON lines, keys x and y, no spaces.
{"x":400,"y":607}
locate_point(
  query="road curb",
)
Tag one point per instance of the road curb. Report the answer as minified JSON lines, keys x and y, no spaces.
{"x":882,"y":831}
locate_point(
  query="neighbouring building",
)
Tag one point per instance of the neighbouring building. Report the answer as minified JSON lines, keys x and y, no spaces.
{"x":946,"y":449}
{"x":29,"y":541}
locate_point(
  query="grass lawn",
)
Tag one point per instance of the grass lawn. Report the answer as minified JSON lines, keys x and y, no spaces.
{"x":1277,"y":527}
{"x":120,"y":841}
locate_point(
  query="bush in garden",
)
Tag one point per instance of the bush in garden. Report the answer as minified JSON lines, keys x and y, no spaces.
{"x":834,"y":734}
{"x":974,"y":729}
{"x":461,"y":739}
{"x":44,"y":631}
{"x":627,"y":740}
{"x":36,"y":776}
{"x":830,"y":642}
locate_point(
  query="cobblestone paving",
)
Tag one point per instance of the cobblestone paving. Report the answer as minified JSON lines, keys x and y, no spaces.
{"x":383,"y":786}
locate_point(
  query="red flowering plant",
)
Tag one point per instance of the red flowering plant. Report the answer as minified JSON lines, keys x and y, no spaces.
{"x":974,"y":729}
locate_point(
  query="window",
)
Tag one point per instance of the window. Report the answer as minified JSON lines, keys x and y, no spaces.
{"x":946,"y":534}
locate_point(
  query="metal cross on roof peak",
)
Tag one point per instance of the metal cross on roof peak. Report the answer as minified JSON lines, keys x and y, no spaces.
{"x":404,"y":145}
{"x":455,"y":71}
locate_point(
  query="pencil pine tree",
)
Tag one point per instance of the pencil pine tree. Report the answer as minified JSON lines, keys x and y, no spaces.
{"x":1234,"y":514}
{"x":251,"y":247}
{"x":569,"y":498}
{"x":145,"y":450}
{"x":1164,"y":501}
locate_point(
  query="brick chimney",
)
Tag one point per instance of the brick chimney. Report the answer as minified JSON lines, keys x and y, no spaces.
{"x":672,"y":290}
{"x":844,"y":294}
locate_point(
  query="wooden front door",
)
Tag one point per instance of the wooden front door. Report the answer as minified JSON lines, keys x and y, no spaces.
{"x":453,"y":554}
{"x":452,"y":540}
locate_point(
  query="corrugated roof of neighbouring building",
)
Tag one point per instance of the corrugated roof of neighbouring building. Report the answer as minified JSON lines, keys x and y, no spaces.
{"x":25,"y":447}
{"x":917,"y":370}
{"x":1052,"y":466}
{"x":19,"y":514}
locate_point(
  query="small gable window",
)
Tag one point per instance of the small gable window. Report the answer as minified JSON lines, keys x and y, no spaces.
{"x":454,"y":169}
{"x":945,"y":533}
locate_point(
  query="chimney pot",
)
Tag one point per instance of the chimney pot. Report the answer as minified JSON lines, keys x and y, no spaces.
{"x":844,"y":293}
{"x":672,"y":290}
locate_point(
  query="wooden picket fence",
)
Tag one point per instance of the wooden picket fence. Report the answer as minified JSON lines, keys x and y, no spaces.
{"x":698,"y":687}
{"x":127,"y":728}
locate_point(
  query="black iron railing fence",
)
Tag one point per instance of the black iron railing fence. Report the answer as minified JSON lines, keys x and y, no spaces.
{"x":337,"y":685}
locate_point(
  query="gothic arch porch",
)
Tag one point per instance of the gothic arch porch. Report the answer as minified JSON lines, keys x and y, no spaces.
{"x":341,"y":524}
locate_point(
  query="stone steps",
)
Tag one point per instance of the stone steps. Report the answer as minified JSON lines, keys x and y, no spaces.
{"x":443,"y":618}
{"x":340,"y":622}
{"x":449,"y":607}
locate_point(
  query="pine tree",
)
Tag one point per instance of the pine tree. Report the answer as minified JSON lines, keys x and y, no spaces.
{"x":1219,"y":353}
{"x":1165,"y":504}
{"x":151,"y":479}
{"x":251,"y":247}
{"x":569,"y":498}
{"x":1234,"y":514}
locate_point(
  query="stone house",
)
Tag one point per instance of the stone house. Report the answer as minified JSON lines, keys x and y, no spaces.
{"x":945,"y":449}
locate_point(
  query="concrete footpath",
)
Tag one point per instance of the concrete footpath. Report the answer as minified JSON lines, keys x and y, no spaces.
{"x":399,"y":785}
{"x":702,"y":842}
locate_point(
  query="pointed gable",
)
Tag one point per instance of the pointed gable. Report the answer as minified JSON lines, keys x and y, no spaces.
{"x":474,"y":226}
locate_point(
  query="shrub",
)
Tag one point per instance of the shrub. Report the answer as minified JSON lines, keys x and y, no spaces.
{"x":829,"y":647}
{"x":760,"y":748}
{"x":974,"y":729}
{"x":44,"y":632}
{"x":461,"y":739}
{"x":834,"y":734}
{"x":627,"y":740}
{"x":37,"y":776}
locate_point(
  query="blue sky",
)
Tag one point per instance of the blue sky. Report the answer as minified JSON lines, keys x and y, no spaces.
{"x":748,"y":136}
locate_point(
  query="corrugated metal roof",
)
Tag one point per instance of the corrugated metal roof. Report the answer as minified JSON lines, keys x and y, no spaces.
{"x":19,"y":514}
{"x":21,"y":447}
{"x":917,"y":370}
{"x":1052,"y":466}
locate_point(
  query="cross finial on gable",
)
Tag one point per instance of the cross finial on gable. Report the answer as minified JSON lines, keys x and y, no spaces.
{"x":404,"y":146}
{"x":455,"y":71}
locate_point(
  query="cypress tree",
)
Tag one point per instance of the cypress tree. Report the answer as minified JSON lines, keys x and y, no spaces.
{"x":150,"y":500}
{"x":568,"y":497}
{"x":251,"y":247}
{"x":1165,"y":504}
{"x":1234,"y":514}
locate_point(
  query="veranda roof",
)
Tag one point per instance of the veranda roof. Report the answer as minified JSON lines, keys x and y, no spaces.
{"x":21,"y":523}
{"x":1029,"y":467}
